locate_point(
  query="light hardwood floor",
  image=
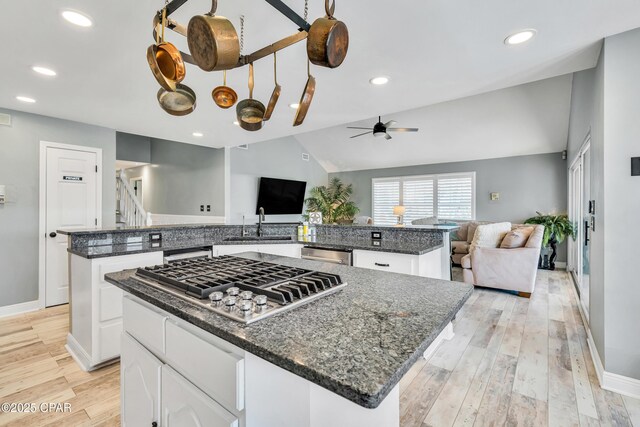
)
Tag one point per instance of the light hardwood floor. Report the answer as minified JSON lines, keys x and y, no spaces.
{"x":516,"y":362}
{"x":512,"y":362}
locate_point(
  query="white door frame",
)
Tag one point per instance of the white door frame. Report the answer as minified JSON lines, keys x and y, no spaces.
{"x":43,"y":204}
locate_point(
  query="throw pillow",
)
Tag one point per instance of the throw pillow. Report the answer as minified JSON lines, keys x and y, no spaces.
{"x":516,"y":238}
{"x":432,"y":220}
{"x":460,"y":233}
{"x":490,"y":235}
{"x":471,"y":230}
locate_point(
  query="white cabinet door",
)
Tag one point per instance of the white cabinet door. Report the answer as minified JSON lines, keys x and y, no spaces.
{"x":140,"y":384}
{"x":184,"y":405}
{"x":386,"y":261}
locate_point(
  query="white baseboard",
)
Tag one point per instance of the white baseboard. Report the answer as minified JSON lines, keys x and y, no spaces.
{"x":608,"y":380}
{"x":23,"y":307}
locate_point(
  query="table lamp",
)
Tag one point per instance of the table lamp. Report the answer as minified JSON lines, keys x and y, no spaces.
{"x":399,"y":212}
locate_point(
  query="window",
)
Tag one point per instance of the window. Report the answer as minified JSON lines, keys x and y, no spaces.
{"x":446,"y":196}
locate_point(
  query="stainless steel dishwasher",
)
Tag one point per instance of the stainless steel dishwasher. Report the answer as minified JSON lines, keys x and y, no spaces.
{"x":334,"y":256}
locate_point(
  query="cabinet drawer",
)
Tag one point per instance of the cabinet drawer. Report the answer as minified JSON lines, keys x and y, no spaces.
{"x":385,"y":261}
{"x":214,"y":370}
{"x":144,"y":324}
{"x":185,"y":405}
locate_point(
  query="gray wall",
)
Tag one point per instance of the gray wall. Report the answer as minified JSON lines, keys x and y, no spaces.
{"x":19,"y":171}
{"x":622,"y":203}
{"x":134,"y":148}
{"x":587,"y":118}
{"x":526,"y":184}
{"x":182,"y":177}
{"x":280,"y":158}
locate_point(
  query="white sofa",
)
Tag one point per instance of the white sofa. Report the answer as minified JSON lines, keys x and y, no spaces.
{"x":508,"y":269}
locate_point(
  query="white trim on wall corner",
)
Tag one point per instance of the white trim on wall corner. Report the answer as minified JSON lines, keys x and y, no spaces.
{"x":616,"y":383}
{"x":23,"y":307}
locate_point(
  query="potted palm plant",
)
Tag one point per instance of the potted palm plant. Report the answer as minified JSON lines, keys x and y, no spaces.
{"x":333,"y":201}
{"x":556,"y":229}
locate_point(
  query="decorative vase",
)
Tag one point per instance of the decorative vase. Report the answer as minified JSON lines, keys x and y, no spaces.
{"x":553,"y":242}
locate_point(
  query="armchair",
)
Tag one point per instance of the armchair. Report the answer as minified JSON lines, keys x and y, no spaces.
{"x":508,"y":269}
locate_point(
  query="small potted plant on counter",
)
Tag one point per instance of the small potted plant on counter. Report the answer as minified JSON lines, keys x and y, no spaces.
{"x":556,"y":228}
{"x":333,"y":201}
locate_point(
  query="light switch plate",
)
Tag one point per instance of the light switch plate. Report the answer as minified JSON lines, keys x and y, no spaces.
{"x":495,"y":196}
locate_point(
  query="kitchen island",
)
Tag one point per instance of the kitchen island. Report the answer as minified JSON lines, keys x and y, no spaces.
{"x":336,"y":361}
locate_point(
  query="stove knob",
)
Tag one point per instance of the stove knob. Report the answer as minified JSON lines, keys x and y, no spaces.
{"x":261,"y":300}
{"x":246,"y":295}
{"x":245,"y":306}
{"x":229,"y":302}
{"x":233,"y":291}
{"x":216,"y":297}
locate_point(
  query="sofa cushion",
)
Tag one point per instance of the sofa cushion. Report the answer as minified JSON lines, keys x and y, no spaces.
{"x":460,"y":247}
{"x":431,"y":220}
{"x":516,"y":238}
{"x":466,"y":261}
{"x":471,"y":230}
{"x":460,"y":233}
{"x":490,"y":235}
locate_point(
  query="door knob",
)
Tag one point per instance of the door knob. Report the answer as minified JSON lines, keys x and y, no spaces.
{"x":53,"y":234}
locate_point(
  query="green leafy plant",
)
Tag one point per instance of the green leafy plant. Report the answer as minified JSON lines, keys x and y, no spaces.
{"x":556,"y":227}
{"x":333,"y":201}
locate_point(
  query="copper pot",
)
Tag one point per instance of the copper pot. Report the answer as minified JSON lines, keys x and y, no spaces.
{"x":275,"y":95}
{"x":165,"y":61}
{"x":305,"y":99}
{"x":250,"y":111}
{"x":213,"y":41}
{"x":224,"y":96}
{"x":328,"y":40}
{"x":180,"y":102}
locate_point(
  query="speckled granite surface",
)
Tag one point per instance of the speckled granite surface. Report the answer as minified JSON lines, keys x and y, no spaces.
{"x":357,"y":343}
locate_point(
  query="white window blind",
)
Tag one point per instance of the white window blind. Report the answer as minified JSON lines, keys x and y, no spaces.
{"x":447,"y":196}
{"x":455,"y":197}
{"x":386,"y":195}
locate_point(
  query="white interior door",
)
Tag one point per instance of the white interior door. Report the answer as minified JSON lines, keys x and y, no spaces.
{"x":70,"y":202}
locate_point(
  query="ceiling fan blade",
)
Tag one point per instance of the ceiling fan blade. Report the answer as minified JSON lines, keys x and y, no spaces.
{"x":355,"y":127}
{"x":390,"y":123}
{"x":361,"y":134}
{"x":387,"y":136}
{"x":402,"y":129}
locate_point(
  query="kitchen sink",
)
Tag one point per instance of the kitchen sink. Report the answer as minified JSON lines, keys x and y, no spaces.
{"x":256,"y":238}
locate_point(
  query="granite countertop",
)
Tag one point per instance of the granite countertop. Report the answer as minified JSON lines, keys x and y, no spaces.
{"x":357,"y":343}
{"x":104,"y":251}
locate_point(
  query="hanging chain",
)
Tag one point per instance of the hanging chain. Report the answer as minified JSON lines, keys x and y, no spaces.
{"x":306,"y":9}
{"x":241,"y":34}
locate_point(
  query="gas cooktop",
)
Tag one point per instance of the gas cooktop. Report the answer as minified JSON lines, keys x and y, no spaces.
{"x":242,"y":289}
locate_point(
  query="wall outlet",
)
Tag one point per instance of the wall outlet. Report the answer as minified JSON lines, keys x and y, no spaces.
{"x":208,"y":208}
{"x":376,"y":235}
{"x":201,"y":208}
{"x":3,"y":193}
{"x":305,"y":157}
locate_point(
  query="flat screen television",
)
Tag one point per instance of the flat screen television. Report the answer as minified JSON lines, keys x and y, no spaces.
{"x":281,"y":196}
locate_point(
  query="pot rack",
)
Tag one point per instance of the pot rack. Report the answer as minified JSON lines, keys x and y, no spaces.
{"x":303,"y":31}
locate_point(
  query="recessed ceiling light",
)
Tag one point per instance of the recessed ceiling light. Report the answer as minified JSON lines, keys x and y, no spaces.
{"x":520,"y":37}
{"x":380,"y":80}
{"x":198,"y":134}
{"x":235,"y":122}
{"x":294,"y":106}
{"x":44,"y":71}
{"x":25,"y":99}
{"x":77,"y":18}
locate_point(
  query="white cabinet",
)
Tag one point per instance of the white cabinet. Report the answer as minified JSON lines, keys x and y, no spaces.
{"x":426,"y":265}
{"x":140,"y":384}
{"x":96,"y":307}
{"x":286,"y":249}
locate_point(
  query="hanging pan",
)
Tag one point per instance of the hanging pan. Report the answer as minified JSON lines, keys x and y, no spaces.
{"x":213,"y":41}
{"x":165,"y":60}
{"x":180,"y":102}
{"x":250,"y":111}
{"x":224,"y":96}
{"x":328,"y":39}
{"x":305,"y":99}
{"x":275,"y":95}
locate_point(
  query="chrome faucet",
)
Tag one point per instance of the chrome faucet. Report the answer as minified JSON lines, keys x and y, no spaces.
{"x":260,"y":219}
{"x":244,"y":231}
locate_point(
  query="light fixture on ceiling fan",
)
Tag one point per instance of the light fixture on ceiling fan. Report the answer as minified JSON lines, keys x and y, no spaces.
{"x":380,"y":129}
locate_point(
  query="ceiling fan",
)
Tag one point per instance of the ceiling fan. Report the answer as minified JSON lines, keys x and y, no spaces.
{"x":380,"y":129}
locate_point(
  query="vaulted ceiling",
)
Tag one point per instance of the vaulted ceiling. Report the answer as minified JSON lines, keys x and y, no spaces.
{"x":433,"y":51}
